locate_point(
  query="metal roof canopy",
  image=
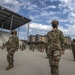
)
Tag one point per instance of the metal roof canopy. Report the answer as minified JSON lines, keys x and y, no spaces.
{"x":11,"y":20}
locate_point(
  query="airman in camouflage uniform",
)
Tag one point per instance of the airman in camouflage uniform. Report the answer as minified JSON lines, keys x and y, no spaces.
{"x":38,"y":47}
{"x":73,"y":48}
{"x":33,"y":47}
{"x":42,"y":47}
{"x":56,"y":47}
{"x":23,"y":45}
{"x":12,"y":45}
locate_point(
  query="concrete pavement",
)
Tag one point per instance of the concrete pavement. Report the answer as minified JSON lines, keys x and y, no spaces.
{"x":35,"y":63}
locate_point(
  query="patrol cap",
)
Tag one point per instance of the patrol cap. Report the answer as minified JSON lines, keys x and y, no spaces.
{"x":14,"y":31}
{"x":54,"y":22}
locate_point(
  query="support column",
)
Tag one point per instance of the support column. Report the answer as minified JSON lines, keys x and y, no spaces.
{"x":11,"y":25}
{"x":28,"y":33}
{"x":18,"y":31}
{"x":1,"y":29}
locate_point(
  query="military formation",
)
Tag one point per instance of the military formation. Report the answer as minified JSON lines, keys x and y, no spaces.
{"x":54,"y":47}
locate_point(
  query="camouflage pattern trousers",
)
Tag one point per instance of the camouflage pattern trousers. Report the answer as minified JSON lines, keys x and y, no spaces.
{"x":10,"y":55}
{"x":73,"y":54}
{"x":54,"y":59}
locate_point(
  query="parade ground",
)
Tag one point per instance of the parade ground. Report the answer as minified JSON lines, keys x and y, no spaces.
{"x":27,"y":62}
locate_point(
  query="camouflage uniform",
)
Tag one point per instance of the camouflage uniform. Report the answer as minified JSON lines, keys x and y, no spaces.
{"x":33,"y":46}
{"x":23,"y":45}
{"x":42,"y":47}
{"x":46,"y":49}
{"x":73,"y":48}
{"x":38,"y":47}
{"x":55,"y":39}
{"x":30,"y":47}
{"x":12,"y":45}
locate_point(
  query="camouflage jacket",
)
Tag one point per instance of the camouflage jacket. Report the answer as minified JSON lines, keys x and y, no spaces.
{"x":13,"y":42}
{"x":73,"y":46}
{"x":55,"y":39}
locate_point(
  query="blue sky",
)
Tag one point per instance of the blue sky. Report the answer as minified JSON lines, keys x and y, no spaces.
{"x":42,"y":12}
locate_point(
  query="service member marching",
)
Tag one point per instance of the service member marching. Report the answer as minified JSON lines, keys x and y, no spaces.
{"x":12,"y":46}
{"x":55,"y":39}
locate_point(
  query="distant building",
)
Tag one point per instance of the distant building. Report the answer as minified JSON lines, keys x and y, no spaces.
{"x":68,"y":40}
{"x":31,"y":38}
{"x":42,"y":38}
{"x":37,"y":38}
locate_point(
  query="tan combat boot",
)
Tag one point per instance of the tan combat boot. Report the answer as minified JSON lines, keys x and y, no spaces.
{"x":10,"y":66}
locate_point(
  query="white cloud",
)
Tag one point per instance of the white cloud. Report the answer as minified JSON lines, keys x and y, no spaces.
{"x":64,"y":30}
{"x":34,"y":17}
{"x":42,"y":2}
{"x":70,"y":4}
{"x":11,"y":4}
{"x":65,"y":11}
{"x":61,"y":6}
{"x":22,"y":35}
{"x":53,"y":0}
{"x":62,"y":20}
{"x":40,"y":27}
{"x":52,"y":6}
{"x":32,"y":7}
{"x":71,"y":20}
{"x":48,"y":13}
{"x":73,"y":14}
{"x":66,"y":1}
{"x":69,"y":31}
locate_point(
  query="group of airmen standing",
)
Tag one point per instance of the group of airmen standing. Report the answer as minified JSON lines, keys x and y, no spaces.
{"x":40,"y":47}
